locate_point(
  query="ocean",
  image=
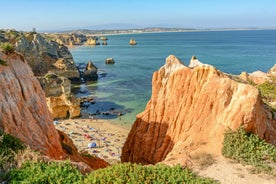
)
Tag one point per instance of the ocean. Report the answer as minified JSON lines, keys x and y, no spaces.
{"x":125,"y":87}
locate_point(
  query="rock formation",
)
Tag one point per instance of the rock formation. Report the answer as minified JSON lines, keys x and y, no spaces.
{"x":58,"y":96}
{"x":92,"y":41}
{"x":90,"y":72}
{"x":258,"y":77}
{"x":44,"y":55}
{"x":132,"y":42}
{"x":194,"y":62}
{"x":109,"y":61}
{"x":272,"y":71}
{"x":189,"y":111}
{"x":244,"y":76}
{"x":24,"y":113}
{"x":69,"y":39}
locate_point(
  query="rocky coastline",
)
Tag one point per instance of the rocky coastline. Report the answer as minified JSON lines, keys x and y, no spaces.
{"x":53,"y":64}
{"x":25,"y":115}
{"x":190,"y":109}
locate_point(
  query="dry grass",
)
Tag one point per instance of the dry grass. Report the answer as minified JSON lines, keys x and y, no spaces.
{"x":203,"y":160}
{"x":28,"y":155}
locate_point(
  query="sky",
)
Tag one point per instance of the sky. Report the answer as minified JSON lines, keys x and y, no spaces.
{"x":72,"y":14}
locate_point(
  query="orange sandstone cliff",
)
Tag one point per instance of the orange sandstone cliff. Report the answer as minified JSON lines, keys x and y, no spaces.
{"x":189,"y":111}
{"x":24,"y":113}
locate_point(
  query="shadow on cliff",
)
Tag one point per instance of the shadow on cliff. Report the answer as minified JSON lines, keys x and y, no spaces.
{"x":147,"y":143}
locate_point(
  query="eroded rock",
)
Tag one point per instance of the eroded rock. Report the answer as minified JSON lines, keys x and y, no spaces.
{"x":60,"y":101}
{"x":24,"y":114}
{"x":45,"y":55}
{"x":189,"y":111}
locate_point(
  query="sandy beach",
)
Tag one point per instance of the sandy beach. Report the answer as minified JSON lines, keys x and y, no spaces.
{"x":97,"y":137}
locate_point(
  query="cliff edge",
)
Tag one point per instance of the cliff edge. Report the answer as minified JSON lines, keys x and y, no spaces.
{"x":189,"y":111}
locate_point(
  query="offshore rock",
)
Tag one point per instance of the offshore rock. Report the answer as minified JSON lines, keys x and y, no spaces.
{"x":132,"y":41}
{"x":92,"y":41}
{"x":109,"y":61}
{"x":189,"y":111}
{"x":24,"y":114}
{"x":90,"y":72}
{"x":45,"y":55}
{"x":58,"y":96}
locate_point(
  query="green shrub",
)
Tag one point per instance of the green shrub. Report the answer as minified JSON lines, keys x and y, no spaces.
{"x":268,"y":90}
{"x":9,"y":146}
{"x":7,"y":48}
{"x":8,"y":143}
{"x":46,"y":173}
{"x":248,"y":148}
{"x":135,"y":173}
{"x":64,"y":172}
{"x":2,"y":62}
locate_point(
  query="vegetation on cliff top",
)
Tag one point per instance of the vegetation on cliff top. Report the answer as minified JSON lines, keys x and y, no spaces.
{"x":9,"y":147}
{"x":249,"y":149}
{"x":64,"y":172}
{"x":268,"y":91}
{"x":136,"y":173}
{"x":7,"y":48}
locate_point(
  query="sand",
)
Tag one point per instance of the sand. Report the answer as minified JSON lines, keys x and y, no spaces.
{"x":228,"y":172}
{"x":97,"y":137}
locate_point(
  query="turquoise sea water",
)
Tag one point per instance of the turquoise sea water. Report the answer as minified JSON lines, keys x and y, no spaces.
{"x":127,"y":84}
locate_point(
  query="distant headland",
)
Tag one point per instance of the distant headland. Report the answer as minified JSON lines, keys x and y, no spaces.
{"x":148,"y":30}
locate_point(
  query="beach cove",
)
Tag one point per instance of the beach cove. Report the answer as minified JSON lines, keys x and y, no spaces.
{"x":96,"y":137}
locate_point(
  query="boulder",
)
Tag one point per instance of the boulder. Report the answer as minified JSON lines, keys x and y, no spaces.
{"x":189,"y":111}
{"x":24,"y":114}
{"x":90,"y":72}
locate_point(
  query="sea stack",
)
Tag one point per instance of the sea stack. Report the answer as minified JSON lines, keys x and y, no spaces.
{"x":189,"y":111}
{"x":132,"y":42}
{"x":109,"y":61}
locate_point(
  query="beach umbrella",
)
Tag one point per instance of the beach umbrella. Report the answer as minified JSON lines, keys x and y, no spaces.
{"x":92,"y":145}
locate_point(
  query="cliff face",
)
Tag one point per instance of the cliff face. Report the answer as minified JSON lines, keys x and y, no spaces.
{"x":58,"y":96}
{"x":44,"y":55}
{"x":24,"y":114}
{"x":189,"y":111}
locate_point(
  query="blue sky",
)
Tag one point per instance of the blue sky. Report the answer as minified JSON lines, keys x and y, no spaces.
{"x":65,"y":14}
